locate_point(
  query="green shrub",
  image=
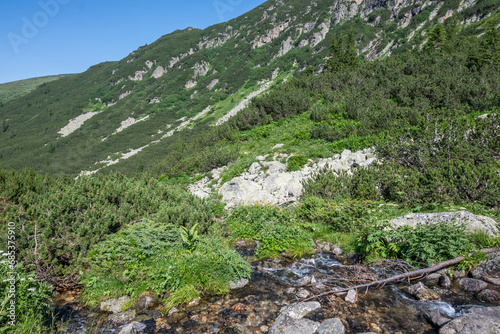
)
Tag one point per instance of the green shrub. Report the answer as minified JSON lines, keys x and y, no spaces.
{"x":296,"y":162}
{"x":31,"y":297}
{"x":346,"y":216}
{"x":133,"y":261}
{"x":274,"y":228}
{"x":424,"y":244}
{"x":69,"y":216}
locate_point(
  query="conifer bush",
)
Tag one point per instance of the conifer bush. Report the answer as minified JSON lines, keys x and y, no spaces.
{"x":59,"y":222}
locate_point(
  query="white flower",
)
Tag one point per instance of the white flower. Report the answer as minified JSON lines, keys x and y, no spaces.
{"x":31,"y":289}
{"x":30,"y":278}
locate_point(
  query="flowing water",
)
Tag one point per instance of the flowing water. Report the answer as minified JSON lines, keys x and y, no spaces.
{"x":253,"y":308}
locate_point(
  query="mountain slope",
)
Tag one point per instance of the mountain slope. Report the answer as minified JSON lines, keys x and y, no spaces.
{"x":124,"y":115}
{"x":13,"y":90}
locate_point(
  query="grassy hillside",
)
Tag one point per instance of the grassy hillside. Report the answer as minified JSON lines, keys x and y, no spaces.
{"x":217,"y":67}
{"x":13,"y":90}
{"x":431,"y":114}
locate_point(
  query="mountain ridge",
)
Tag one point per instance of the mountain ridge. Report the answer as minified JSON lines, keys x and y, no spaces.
{"x":181,"y":74}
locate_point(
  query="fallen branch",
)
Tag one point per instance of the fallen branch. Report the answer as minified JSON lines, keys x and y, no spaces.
{"x":408,"y":275}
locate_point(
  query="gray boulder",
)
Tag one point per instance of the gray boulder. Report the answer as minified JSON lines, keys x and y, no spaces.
{"x":146,"y":301}
{"x":274,"y":167}
{"x":331,"y":326}
{"x":444,"y":281}
{"x":472,"y":285}
{"x":478,"y":320}
{"x":290,"y":320}
{"x":436,"y":318}
{"x":239,"y":191}
{"x":283,"y":185}
{"x":114,"y":305}
{"x":471,"y":221}
{"x":489,"y":268}
{"x":242,"y":282}
{"x":132,"y":328}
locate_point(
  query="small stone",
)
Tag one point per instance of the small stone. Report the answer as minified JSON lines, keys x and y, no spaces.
{"x":459,"y":273}
{"x":427,"y":294}
{"x":114,"y":305}
{"x":432,"y":278}
{"x":494,"y":281}
{"x":352,"y":258}
{"x":303,"y":293}
{"x":290,"y":291}
{"x":194,"y":302}
{"x":331,"y":326}
{"x":146,"y":301}
{"x":338,"y":251}
{"x":489,"y":295}
{"x":444,"y":281}
{"x":241,"y":243}
{"x":134,"y":327}
{"x":375,"y":327}
{"x":413,"y":289}
{"x":472,"y":284}
{"x":319,"y":286}
{"x":436,"y":319}
{"x":242,"y":282}
{"x":173,"y":310}
{"x":253,"y":320}
{"x":327,"y":247}
{"x":303,"y":281}
{"x":351,"y":297}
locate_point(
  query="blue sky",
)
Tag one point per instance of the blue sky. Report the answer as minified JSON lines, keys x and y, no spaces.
{"x":45,"y":37}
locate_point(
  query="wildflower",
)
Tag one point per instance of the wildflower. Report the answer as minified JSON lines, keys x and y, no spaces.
{"x":31,"y":289}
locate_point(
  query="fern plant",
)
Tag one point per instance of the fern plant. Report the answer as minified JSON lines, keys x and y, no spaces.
{"x":189,"y":237}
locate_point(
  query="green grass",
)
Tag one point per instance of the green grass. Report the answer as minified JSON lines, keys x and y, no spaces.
{"x":12,"y":90}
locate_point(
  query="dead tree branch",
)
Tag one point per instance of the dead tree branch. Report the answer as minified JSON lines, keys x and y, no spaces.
{"x":415,"y":274}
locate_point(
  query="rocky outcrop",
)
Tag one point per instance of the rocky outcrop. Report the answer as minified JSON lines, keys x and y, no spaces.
{"x":477,"y":320}
{"x":158,"y":72}
{"x":190,"y":84}
{"x":268,"y":182}
{"x":200,"y":69}
{"x":271,"y":35}
{"x":471,"y":221}
{"x":213,"y":83}
{"x":139,"y":75}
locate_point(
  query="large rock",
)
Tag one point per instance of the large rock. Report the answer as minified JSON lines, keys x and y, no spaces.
{"x":146,"y":301}
{"x":472,"y":285}
{"x":489,"y":268}
{"x":242,"y":282}
{"x":471,"y":221}
{"x":331,"y":326}
{"x":239,"y":191}
{"x":133,"y":328}
{"x":114,"y":305}
{"x":283,"y":185}
{"x":478,"y":320}
{"x":290,"y":320}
